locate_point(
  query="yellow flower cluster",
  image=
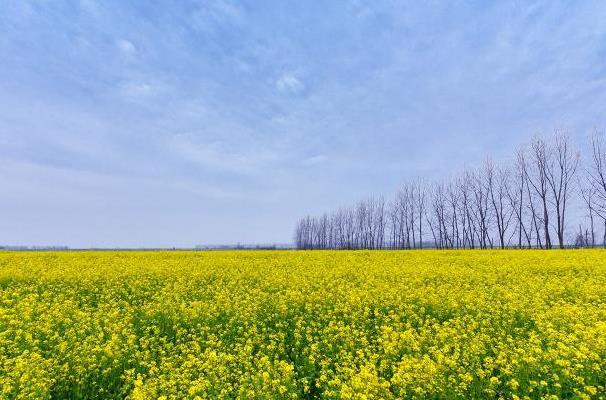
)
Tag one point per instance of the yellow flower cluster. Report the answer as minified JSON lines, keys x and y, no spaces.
{"x":315,"y":325}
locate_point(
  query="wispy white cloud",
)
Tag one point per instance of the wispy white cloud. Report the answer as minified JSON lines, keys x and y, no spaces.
{"x":223,"y":155}
{"x":134,"y":90}
{"x":289,"y":84}
{"x":315,"y":160}
{"x":126,"y":47}
{"x":208,"y":16}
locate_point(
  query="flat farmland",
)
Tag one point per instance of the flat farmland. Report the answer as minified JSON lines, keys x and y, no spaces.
{"x":303,"y":325}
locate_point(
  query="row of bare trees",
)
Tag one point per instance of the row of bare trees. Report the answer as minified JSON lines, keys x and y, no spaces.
{"x":524,"y":204}
{"x":359,"y":227}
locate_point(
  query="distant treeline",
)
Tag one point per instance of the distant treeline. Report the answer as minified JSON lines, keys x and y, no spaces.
{"x":523,"y":204}
{"x":245,"y":246}
{"x":24,"y":248}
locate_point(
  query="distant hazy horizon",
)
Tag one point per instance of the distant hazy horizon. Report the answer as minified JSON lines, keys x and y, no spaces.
{"x":127,"y":124}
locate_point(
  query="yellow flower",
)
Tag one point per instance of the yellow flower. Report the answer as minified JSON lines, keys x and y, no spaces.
{"x":291,"y":324}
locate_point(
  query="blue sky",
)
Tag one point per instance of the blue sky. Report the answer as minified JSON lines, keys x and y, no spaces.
{"x":175,"y":123}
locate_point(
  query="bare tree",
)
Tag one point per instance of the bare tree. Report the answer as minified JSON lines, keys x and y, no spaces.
{"x":453,"y":200}
{"x":536,"y":175}
{"x":436,"y":215}
{"x":378,"y":228}
{"x":400,"y":216}
{"x":588,"y":194}
{"x":597,"y":177}
{"x":515,"y":195}
{"x":468,"y":216}
{"x":560,"y":171}
{"x":480,"y":208}
{"x":419,"y":197}
{"x":497,"y":181}
{"x":533,"y":207}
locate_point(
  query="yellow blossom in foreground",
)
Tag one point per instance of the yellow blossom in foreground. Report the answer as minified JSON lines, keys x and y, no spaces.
{"x":303,"y":325}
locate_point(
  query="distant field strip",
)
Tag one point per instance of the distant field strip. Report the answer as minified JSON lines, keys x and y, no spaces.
{"x":303,"y":325}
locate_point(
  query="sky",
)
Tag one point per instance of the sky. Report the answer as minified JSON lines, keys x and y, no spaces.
{"x":178,"y":123}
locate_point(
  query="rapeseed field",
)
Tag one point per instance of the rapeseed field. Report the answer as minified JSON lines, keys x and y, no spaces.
{"x":303,"y":325}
